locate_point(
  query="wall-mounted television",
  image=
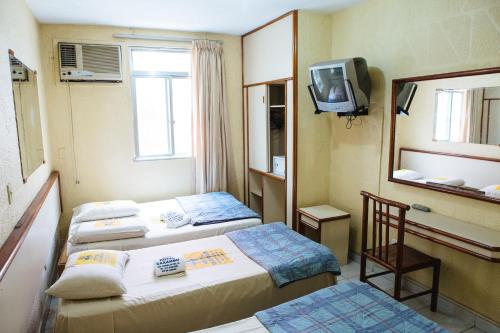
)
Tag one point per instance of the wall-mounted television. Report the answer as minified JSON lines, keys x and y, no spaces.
{"x":341,"y":86}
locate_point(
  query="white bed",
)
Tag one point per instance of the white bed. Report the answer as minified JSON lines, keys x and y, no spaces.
{"x":201,"y":298}
{"x":158,"y":233}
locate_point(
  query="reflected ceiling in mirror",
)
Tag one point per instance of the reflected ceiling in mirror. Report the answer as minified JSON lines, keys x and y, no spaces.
{"x":29,"y":129}
{"x":468,"y":115}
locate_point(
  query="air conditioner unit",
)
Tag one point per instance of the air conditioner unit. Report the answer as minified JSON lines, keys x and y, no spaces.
{"x":90,"y":62}
{"x":18,"y":72}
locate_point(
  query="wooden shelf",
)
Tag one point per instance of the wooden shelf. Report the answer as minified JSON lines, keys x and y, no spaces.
{"x":269,"y":174}
{"x":462,"y":236}
{"x":277,"y":106}
{"x":257,"y":193}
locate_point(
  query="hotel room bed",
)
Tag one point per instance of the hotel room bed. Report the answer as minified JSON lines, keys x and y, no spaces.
{"x":347,"y":307}
{"x":203,"y":297}
{"x":158,"y":233}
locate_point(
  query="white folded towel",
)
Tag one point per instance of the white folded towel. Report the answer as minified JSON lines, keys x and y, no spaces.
{"x":169,"y":265}
{"x":175,"y":219}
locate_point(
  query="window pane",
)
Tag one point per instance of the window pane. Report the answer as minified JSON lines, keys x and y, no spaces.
{"x":442,"y":125}
{"x":181,"y":102}
{"x":161,"y":61}
{"x":152,"y":116}
{"x":456,"y":116}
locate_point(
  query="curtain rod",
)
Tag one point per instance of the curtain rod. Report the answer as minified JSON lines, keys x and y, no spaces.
{"x":158,"y":37}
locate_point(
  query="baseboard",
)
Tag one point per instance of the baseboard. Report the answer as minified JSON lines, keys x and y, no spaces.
{"x":445,"y":305}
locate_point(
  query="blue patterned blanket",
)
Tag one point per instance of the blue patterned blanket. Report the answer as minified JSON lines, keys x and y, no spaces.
{"x":215,"y":207}
{"x":346,"y":307}
{"x":285,"y":254}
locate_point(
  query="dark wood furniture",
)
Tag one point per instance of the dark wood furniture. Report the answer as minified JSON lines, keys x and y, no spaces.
{"x":392,"y":147}
{"x":396,"y":258}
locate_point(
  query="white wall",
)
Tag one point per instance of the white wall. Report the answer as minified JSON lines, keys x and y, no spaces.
{"x":104,"y":130}
{"x":20,"y":32}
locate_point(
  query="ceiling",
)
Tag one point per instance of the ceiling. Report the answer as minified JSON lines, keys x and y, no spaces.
{"x":218,"y":16}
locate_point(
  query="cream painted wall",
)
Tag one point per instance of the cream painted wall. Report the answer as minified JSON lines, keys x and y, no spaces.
{"x":313,"y":131}
{"x":19,"y":31}
{"x":402,"y":38}
{"x":104,"y":130}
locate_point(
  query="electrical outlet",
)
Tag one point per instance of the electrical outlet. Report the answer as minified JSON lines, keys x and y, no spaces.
{"x":9,"y":194}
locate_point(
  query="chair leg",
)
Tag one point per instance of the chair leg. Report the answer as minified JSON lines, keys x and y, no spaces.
{"x":435,"y":286}
{"x":362,"y":273}
{"x":397,"y":286}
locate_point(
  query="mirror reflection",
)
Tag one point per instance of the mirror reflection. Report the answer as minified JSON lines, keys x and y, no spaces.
{"x":468,"y":115}
{"x":447,"y":134}
{"x":29,"y":130}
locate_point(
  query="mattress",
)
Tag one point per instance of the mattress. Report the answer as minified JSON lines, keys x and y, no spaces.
{"x":201,"y":298}
{"x":159,"y":234}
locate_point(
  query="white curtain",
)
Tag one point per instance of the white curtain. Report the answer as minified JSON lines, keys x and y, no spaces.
{"x":210,"y":117}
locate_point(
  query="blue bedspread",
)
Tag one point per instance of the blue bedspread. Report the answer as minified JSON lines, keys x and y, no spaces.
{"x":347,"y":307}
{"x":215,"y":207}
{"x":285,"y":254}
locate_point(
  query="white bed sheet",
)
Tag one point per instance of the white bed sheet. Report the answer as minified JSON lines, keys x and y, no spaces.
{"x":247,"y":325}
{"x":159,"y":234}
{"x":201,"y":298}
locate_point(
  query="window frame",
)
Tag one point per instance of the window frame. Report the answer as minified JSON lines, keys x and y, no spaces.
{"x":168,"y":77}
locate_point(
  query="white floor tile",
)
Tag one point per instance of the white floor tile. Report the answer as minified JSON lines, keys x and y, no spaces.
{"x":350,"y":270}
{"x":452,"y":324}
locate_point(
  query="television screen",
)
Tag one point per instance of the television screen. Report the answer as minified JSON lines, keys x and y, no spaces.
{"x":329,"y":85}
{"x":404,"y":97}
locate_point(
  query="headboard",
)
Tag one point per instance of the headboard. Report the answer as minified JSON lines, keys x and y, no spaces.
{"x":27,"y":261}
{"x":477,"y":172}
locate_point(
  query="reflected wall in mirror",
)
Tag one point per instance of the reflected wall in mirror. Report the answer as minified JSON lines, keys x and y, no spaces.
{"x":445,"y":133}
{"x":468,"y":115}
{"x":29,"y":129}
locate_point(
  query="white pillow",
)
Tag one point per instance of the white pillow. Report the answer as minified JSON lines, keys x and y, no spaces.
{"x":446,"y":181}
{"x":405,"y":174}
{"x":108,"y":229}
{"x":105,"y":210}
{"x":91,"y":274}
{"x":492,"y":191}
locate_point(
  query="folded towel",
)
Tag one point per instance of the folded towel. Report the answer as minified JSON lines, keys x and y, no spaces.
{"x":175,"y":219}
{"x":169,"y":265}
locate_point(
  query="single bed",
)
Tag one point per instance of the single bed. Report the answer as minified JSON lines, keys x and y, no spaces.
{"x":158,"y":233}
{"x":347,"y":307}
{"x":203,"y":297}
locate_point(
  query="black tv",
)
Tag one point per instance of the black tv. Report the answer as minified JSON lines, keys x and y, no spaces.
{"x":405,"y":93}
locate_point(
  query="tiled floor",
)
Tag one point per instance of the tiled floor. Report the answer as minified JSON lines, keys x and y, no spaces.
{"x":351,"y":272}
{"x":453,"y":324}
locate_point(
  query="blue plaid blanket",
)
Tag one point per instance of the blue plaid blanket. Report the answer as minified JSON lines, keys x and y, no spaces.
{"x":285,"y":254}
{"x":215,"y":207}
{"x":346,"y":307}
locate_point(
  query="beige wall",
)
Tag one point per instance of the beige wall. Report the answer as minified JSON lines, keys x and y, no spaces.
{"x":19,"y":31}
{"x":402,"y":38}
{"x":104,"y":130}
{"x":313,"y":131}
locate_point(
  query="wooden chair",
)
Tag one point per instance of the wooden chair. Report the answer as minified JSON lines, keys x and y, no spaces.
{"x":396,"y":258}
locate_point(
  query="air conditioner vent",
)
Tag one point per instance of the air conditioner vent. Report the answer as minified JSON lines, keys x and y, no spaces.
{"x":101,"y":59}
{"x":68,"y":55}
{"x":15,"y":62}
{"x":90,"y":62}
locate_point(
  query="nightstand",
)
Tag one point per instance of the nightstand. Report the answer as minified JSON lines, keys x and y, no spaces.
{"x":326,"y":225}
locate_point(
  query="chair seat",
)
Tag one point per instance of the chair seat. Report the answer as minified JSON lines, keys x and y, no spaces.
{"x":412,"y":259}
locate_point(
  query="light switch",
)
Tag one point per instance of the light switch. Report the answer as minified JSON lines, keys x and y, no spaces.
{"x":9,"y":194}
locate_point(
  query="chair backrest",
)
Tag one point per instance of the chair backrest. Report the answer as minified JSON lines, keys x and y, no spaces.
{"x":381,"y":221}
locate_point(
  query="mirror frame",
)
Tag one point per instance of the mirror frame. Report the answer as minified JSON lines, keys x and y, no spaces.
{"x":23,"y":176}
{"x":395,"y":82}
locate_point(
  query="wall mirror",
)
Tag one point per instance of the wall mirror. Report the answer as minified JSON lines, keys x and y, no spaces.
{"x":29,"y":129}
{"x":445,"y":133}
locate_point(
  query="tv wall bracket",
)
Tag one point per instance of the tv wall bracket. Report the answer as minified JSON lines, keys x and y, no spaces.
{"x":358,"y":111}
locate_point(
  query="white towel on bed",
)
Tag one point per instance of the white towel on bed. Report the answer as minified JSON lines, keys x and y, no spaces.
{"x":169,"y":265}
{"x":175,"y":219}
{"x":446,"y":181}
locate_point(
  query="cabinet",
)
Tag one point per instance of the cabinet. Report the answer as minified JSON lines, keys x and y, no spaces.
{"x":268,"y":96}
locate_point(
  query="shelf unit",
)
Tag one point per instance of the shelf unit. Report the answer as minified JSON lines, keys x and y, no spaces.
{"x":269,"y":72}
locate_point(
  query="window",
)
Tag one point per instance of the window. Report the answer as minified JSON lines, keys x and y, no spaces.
{"x":449,"y":117}
{"x":161,"y":91}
